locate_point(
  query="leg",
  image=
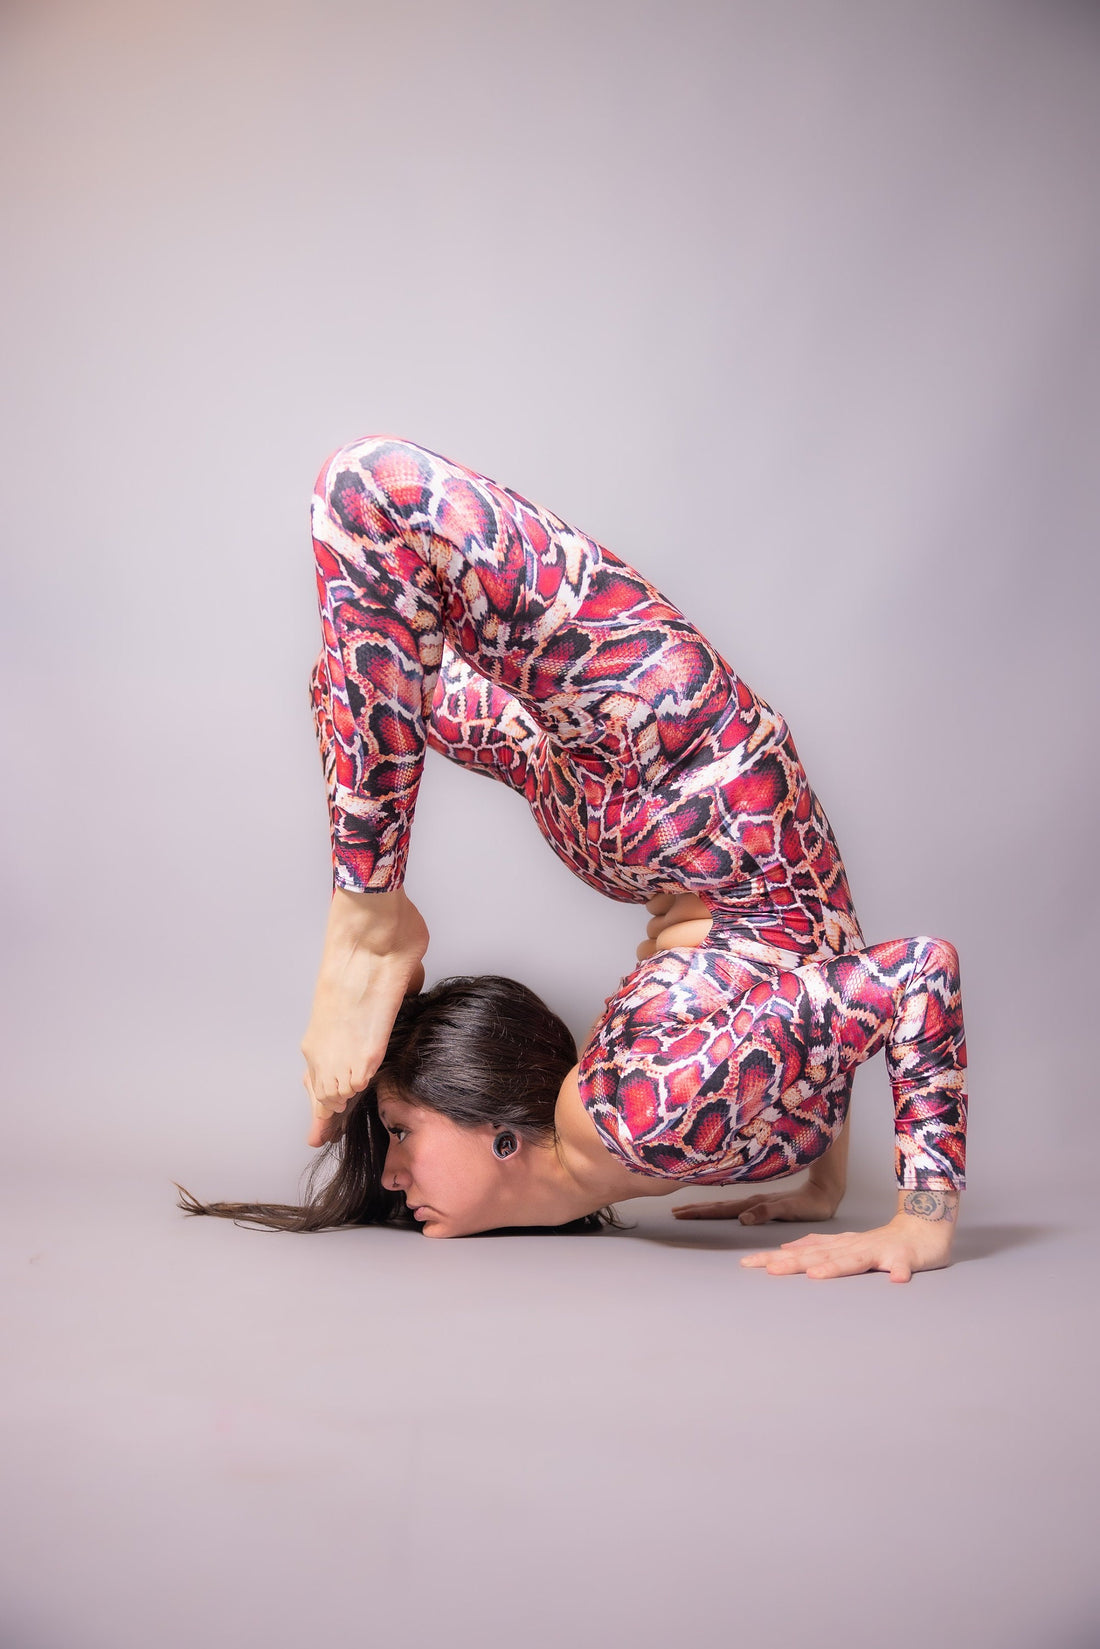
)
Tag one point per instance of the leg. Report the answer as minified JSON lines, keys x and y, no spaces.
{"x":414,"y":550}
{"x":372,"y":954}
{"x":480,"y":725}
{"x":712,"y":1069}
{"x":473,"y":722}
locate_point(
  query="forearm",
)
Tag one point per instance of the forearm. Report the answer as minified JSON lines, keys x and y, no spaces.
{"x":926,"y":1064}
{"x":829,"y":1172}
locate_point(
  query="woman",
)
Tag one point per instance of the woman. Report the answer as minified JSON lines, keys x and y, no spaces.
{"x":457,"y":613}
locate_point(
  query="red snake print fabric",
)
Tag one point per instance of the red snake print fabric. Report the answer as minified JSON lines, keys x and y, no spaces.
{"x":457,"y":614}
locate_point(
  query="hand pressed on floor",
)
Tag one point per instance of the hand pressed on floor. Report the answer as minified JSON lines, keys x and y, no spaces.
{"x":901,"y":1247}
{"x":807,"y":1202}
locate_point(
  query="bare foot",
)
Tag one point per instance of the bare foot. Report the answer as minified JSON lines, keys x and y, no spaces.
{"x":374,"y":943}
{"x":681,"y":921}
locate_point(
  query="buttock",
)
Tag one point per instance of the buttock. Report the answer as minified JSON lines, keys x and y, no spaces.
{"x":788,"y":899}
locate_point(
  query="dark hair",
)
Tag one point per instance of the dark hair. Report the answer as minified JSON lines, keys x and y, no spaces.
{"x":476,"y":1048}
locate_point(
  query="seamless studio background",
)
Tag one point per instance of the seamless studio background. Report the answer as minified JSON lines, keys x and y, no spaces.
{"x":791,"y":306}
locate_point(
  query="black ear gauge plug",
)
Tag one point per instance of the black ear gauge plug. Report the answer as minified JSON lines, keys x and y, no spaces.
{"x":505,"y":1143}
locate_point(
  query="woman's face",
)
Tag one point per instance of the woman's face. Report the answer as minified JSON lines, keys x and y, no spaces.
{"x":447,"y":1172}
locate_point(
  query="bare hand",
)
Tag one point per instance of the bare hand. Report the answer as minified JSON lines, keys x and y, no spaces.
{"x":808,"y":1202}
{"x":903,"y":1246}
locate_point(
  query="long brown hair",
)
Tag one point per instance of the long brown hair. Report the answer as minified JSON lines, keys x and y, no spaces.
{"x":478,"y":1048}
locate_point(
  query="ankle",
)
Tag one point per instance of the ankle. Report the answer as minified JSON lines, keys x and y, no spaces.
{"x":383,"y":921}
{"x":353,"y":908}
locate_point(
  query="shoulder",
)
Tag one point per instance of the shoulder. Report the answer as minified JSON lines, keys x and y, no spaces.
{"x":572,"y":1123}
{"x":589,"y":1154}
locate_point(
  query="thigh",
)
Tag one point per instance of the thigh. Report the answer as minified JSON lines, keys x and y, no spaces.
{"x":480,"y":725}
{"x":607,"y":666}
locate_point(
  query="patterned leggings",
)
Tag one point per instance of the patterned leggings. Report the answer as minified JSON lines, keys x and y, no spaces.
{"x":457,"y":614}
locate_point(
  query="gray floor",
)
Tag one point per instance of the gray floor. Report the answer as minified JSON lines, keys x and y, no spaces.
{"x":224,"y":1437}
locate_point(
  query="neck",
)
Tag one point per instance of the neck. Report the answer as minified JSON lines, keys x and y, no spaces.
{"x":557,"y":1182}
{"x":545,"y":1189}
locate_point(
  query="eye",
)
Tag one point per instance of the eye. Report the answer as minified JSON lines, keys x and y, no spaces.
{"x":396,"y":1132}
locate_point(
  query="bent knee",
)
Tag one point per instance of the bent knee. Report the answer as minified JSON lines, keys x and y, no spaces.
{"x":362,"y":451}
{"x":936,"y":956}
{"x":374,"y":485}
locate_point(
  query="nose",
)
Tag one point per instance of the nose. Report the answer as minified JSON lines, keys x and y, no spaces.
{"x":394,"y":1177}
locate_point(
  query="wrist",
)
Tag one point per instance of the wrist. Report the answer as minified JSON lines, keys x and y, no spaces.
{"x":827,"y":1177}
{"x":828,"y":1194}
{"x":931,"y":1205}
{"x":822,"y":1172}
{"x":928,"y":1218}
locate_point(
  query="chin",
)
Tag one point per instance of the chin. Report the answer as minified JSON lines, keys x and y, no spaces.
{"x":451,"y":1228}
{"x":436,"y":1226}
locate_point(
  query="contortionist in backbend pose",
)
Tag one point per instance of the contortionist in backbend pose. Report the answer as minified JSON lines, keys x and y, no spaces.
{"x":458,"y":614}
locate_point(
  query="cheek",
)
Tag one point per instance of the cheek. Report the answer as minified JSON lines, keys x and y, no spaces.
{"x":426,"y":1161}
{"x":455,"y":1176}
{"x":433,"y":1170}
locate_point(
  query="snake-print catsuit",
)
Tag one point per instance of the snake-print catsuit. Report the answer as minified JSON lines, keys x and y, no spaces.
{"x":458,"y":614}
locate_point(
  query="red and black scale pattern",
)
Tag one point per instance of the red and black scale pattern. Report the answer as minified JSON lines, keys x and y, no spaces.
{"x":713,"y":1068}
{"x":458,"y":614}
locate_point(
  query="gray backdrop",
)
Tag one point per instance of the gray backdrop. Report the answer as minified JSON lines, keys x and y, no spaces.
{"x":792,"y":306}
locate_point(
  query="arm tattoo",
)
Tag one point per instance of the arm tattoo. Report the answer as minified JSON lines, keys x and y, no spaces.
{"x":931,"y":1205}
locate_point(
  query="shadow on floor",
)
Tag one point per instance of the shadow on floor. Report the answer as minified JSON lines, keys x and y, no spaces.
{"x":980,"y":1241}
{"x":972,"y":1242}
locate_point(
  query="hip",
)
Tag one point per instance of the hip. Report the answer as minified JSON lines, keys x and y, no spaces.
{"x":751,"y":841}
